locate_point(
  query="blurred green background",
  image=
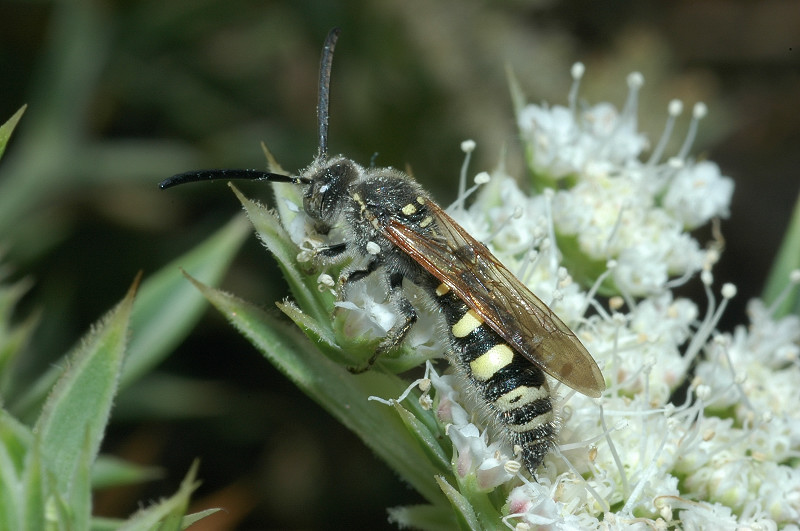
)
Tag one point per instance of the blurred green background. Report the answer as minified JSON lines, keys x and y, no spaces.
{"x":123,"y":94}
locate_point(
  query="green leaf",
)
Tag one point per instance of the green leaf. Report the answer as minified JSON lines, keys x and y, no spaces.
{"x":109,"y":471}
{"x":34,"y":498}
{"x":168,"y":514}
{"x":13,"y":338}
{"x":787,"y":260}
{"x":277,"y":240}
{"x":15,"y":438}
{"x":115,"y":524}
{"x":517,"y":95}
{"x":465,"y":515}
{"x":9,"y":492}
{"x":80,"y":491}
{"x":106,"y":524}
{"x":167,"y":307}
{"x":425,"y":438}
{"x":341,"y":393}
{"x":74,"y":417}
{"x":190,"y":519}
{"x":424,"y":517}
{"x":165,"y":311}
{"x":7,"y":128}
{"x":323,"y":336}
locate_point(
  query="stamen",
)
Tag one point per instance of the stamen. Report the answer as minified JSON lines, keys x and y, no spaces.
{"x":529,"y":262}
{"x":698,"y":113}
{"x":423,"y":383}
{"x":517,"y":214}
{"x":479,"y":180}
{"x":512,"y":466}
{"x":647,"y":473}
{"x":711,"y":319}
{"x":467,"y":146}
{"x":602,"y":502}
{"x":614,"y":453}
{"x":648,"y":370}
{"x":615,"y":303}
{"x":681,"y":280}
{"x":595,"y":287}
{"x":551,"y":230}
{"x":577,"y":72}
{"x":721,"y":344}
{"x":615,"y":228}
{"x":675,"y":108}
{"x":635,"y":82}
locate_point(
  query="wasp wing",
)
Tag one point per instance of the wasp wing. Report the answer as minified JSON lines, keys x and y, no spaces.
{"x":468,"y":268}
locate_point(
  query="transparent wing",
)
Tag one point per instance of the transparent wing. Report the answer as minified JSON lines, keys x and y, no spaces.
{"x":511,"y":309}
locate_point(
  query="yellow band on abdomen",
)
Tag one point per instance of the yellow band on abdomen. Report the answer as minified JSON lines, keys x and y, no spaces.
{"x":467,"y":324}
{"x":484,"y":366}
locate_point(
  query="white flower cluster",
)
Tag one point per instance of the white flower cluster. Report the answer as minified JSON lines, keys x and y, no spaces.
{"x":752,"y":378}
{"x":619,"y":206}
{"x":723,"y":456}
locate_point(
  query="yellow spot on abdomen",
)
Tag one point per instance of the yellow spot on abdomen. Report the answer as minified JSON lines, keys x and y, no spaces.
{"x":442,"y":289}
{"x":469,"y":322}
{"x":491,"y":361}
{"x":409,"y":209}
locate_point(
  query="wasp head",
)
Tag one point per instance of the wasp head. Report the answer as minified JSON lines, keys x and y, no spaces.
{"x":327,"y":192}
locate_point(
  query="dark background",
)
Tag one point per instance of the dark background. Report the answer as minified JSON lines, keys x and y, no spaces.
{"x":123,"y":94}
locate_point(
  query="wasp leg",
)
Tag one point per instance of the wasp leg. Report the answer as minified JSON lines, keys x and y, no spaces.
{"x":399,"y":331}
{"x":332,"y":251}
{"x":348,"y":277}
{"x":358,"y":274}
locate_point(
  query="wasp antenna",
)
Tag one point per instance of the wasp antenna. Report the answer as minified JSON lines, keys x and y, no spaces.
{"x":324,"y":91}
{"x":215,"y":175}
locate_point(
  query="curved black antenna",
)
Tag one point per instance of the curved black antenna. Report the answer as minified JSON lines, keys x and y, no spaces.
{"x":215,"y":175}
{"x":324,"y":91}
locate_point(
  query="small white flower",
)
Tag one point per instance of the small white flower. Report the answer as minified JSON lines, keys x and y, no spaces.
{"x":554,"y":136}
{"x":564,"y":144}
{"x":639,"y":272}
{"x":474,"y":454}
{"x":449,"y":410}
{"x":534,"y":504}
{"x":698,"y":192}
{"x":367,"y":313}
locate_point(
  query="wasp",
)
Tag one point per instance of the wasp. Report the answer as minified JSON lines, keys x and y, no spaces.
{"x":502,"y":338}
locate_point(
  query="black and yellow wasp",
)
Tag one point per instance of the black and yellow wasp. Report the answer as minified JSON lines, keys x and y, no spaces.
{"x":502,"y":338}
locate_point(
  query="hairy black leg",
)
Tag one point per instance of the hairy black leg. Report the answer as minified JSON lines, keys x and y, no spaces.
{"x":332,"y":251}
{"x":355,"y":275}
{"x":358,"y":274}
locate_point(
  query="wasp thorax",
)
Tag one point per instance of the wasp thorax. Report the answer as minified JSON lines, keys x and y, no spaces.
{"x":323,"y":198}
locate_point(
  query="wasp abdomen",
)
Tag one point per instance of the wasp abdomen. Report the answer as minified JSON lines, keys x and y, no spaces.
{"x":515,"y":391}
